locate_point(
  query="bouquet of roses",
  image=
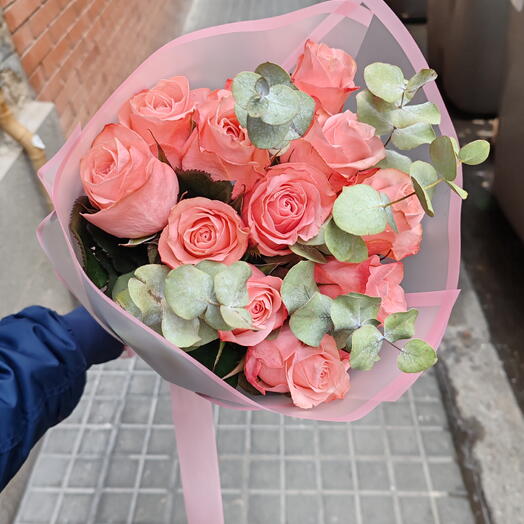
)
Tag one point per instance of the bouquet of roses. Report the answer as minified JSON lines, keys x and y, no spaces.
{"x":261,"y":227}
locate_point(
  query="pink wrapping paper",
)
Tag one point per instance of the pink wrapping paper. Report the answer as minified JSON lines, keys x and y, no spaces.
{"x":370,"y":32}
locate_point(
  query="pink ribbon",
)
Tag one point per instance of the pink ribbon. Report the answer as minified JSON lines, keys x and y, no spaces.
{"x":197,"y":454}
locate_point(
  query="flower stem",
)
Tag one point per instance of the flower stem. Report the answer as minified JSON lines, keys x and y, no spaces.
{"x":394,"y":345}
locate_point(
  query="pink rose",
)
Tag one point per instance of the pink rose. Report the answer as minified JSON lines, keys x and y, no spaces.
{"x":221,"y":146}
{"x":346,"y":145}
{"x":292,"y":201}
{"x":407,"y":215}
{"x":165,"y":112}
{"x":326,"y":74}
{"x":370,"y":277}
{"x":311,"y":375}
{"x":202,"y":229}
{"x":133,"y":190}
{"x":265,"y":306}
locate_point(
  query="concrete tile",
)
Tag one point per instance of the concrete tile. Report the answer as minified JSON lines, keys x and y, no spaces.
{"x":113,"y":508}
{"x":416,"y":510}
{"x":368,"y":441}
{"x":265,"y":418}
{"x":94,"y":442}
{"x":49,"y":471}
{"x":409,"y":476}
{"x":38,"y":507}
{"x":162,"y":441}
{"x":157,"y":474}
{"x":336,"y":474}
{"x":234,"y":508}
{"x":121,"y":473}
{"x":377,"y":509}
{"x":231,"y":441}
{"x":403,"y":442}
{"x":103,"y":411}
{"x":232,"y":416}
{"x":431,"y":414}
{"x":373,"y":418}
{"x":265,"y":441}
{"x":263,"y":509}
{"x":339,"y":509}
{"x":397,"y":414}
{"x":299,"y":441}
{"x":111,"y":385}
{"x":137,"y":410}
{"x":232,"y":473}
{"x":302,"y":509}
{"x":333,"y":441}
{"x":74,"y":508}
{"x":85,"y":473}
{"x":62,"y":442}
{"x":129,"y":441}
{"x":455,"y":510}
{"x":151,"y":508}
{"x":264,"y":473}
{"x":446,"y":477}
{"x":438,"y":443}
{"x":372,"y":475}
{"x":163,"y":413}
{"x":143,"y":384}
{"x":300,"y":474}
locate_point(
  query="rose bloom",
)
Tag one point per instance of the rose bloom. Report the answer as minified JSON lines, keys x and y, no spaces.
{"x":326,"y":74}
{"x":265,"y":306}
{"x":202,"y":229}
{"x":407,"y":214}
{"x":220,"y":146}
{"x":346,"y":145}
{"x":370,"y":277}
{"x":292,"y":201}
{"x":165,"y":112}
{"x":132,"y":189}
{"x":311,"y":375}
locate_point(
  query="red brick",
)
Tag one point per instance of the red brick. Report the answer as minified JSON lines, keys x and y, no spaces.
{"x":79,"y":28}
{"x":35,"y":54}
{"x":62,"y":23}
{"x":51,"y":89}
{"x":56,"y":56}
{"x":43,"y":17}
{"x":5,"y":3}
{"x":37,"y":79}
{"x":23,"y":38}
{"x":19,"y":12}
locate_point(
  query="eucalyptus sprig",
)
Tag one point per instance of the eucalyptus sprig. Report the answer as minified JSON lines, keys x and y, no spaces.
{"x":272,"y":109}
{"x":352,"y":320}
{"x":189,"y":304}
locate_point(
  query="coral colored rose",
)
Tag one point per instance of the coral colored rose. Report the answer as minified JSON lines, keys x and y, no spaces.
{"x":202,"y":229}
{"x":311,"y":375}
{"x":407,"y":215}
{"x":165,"y":112}
{"x":265,"y":306}
{"x":292,"y":201}
{"x":133,"y":190}
{"x":346,"y":145}
{"x":220,"y":145}
{"x":326,"y":74}
{"x":370,"y":277}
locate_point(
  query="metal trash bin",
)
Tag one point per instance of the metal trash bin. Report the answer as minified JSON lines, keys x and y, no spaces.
{"x":466,"y":42}
{"x":509,"y":169}
{"x":409,"y":9}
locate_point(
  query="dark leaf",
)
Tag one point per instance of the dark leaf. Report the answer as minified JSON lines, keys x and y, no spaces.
{"x":200,"y":184}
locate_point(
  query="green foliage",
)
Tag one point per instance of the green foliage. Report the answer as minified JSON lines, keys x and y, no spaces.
{"x":374,"y":111}
{"x":230,"y":285}
{"x":308,"y":252}
{"x":423,"y":175}
{"x":365,"y":347}
{"x":418,"y":80}
{"x":200,"y":184}
{"x":359,"y":210}
{"x":312,"y":321}
{"x":406,"y":116}
{"x":271,"y":108}
{"x":413,"y":136}
{"x":385,"y":81}
{"x":474,"y":153}
{"x":299,"y":285}
{"x":398,"y":326}
{"x":345,"y":246}
{"x":462,"y":193}
{"x":443,"y":157}
{"x":416,"y":356}
{"x":395,"y":160}
{"x":351,"y":311}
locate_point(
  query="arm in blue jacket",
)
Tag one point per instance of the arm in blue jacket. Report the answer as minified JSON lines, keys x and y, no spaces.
{"x":43,"y":362}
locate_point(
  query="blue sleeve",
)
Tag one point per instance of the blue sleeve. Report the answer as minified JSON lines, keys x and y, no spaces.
{"x":43,"y":362}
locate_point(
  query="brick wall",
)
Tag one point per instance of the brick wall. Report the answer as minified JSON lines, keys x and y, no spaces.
{"x":76,"y":52}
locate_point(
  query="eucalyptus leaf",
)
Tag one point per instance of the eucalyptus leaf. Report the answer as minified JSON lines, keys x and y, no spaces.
{"x":394,"y":160}
{"x":423,"y":175}
{"x":230,"y":285}
{"x":342,"y":338}
{"x":390,"y":218}
{"x":211,"y":267}
{"x":273,"y":74}
{"x":282,"y":104}
{"x":413,"y":136}
{"x":213,"y":317}
{"x":183,"y":333}
{"x":353,"y":310}
{"x":359,"y":210}
{"x":302,"y":120}
{"x":475,"y":152}
{"x":399,"y":326}
{"x":462,"y":193}
{"x":309,"y":253}
{"x":146,"y":289}
{"x":418,"y":80}
{"x":375,"y":112}
{"x":443,"y":157}
{"x":345,"y":246}
{"x":365,"y":347}
{"x":121,"y":284}
{"x":243,"y":87}
{"x":236,"y":317}
{"x":422,"y":113}
{"x":416,"y":356}
{"x":123,"y":299}
{"x":313,"y":320}
{"x":318,"y":239}
{"x":385,"y":81}
{"x":266,"y":136}
{"x":241,"y":115}
{"x":423,"y":197}
{"x":206,"y":334}
{"x":188,"y":291}
{"x":299,"y":285}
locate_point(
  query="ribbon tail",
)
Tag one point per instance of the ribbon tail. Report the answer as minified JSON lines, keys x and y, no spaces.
{"x":198,"y":458}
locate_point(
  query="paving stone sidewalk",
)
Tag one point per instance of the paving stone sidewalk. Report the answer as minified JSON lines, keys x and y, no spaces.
{"x":114,"y":460}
